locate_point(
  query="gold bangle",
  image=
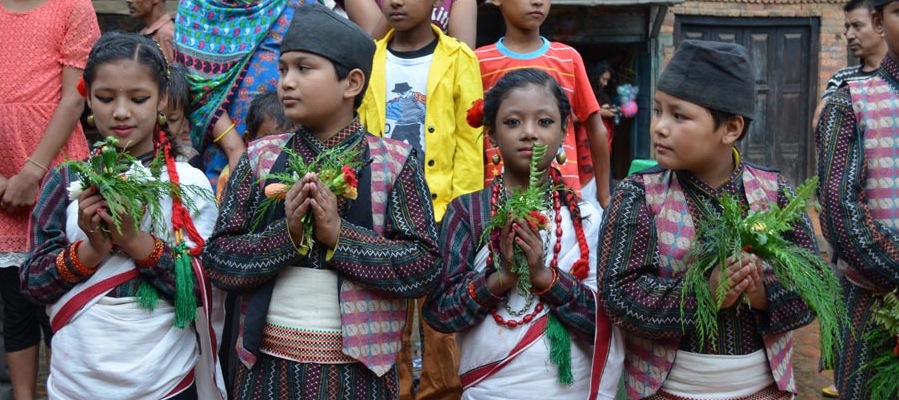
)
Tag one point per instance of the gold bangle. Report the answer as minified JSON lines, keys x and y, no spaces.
{"x":30,"y":160}
{"x":219,"y":137}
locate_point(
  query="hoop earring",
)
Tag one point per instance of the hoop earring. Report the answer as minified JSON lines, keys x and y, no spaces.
{"x":495,"y":159}
{"x":561,"y":157}
{"x":90,"y":120}
{"x":160,"y":119}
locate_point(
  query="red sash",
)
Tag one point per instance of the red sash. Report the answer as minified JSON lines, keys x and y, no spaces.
{"x":476,"y":375}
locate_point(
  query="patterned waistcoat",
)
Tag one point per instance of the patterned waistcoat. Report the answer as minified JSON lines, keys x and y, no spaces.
{"x":876,"y":108}
{"x":647,"y":362}
{"x":372,"y":323}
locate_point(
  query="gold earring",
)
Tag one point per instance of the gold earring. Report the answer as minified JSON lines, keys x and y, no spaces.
{"x":160,"y":119}
{"x":561,"y":157}
{"x":495,"y":159}
{"x":90,"y":120}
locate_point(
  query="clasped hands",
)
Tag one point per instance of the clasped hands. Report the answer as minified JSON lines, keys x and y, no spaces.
{"x":310,"y":194}
{"x":746,"y":274}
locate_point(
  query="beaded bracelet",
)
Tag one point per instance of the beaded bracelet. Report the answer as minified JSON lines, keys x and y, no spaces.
{"x":474,"y":295}
{"x":63,"y":270}
{"x":543,"y":291}
{"x":80,"y":268}
{"x":154,"y":256}
{"x":219,"y":137}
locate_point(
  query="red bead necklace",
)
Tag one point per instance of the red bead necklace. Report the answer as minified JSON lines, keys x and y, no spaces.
{"x":557,"y":206}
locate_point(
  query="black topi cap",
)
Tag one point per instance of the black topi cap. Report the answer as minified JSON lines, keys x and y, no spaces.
{"x":714,"y":75}
{"x":317,"y":29}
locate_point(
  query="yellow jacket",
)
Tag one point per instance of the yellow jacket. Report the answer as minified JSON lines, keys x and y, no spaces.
{"x":454,"y":151}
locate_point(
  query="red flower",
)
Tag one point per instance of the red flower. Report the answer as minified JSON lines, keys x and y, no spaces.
{"x":537,"y":220}
{"x":475,"y":114}
{"x":349,"y":176}
{"x":82,"y":87}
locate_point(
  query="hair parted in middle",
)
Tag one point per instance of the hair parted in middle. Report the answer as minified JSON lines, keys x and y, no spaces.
{"x":518,"y":79}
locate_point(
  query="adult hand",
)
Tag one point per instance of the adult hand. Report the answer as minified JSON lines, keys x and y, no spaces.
{"x":21,"y":189}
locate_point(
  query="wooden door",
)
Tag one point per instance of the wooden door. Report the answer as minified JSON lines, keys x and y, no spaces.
{"x":784,"y":56}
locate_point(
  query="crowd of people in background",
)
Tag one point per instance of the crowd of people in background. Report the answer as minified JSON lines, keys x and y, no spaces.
{"x":264,"y":279}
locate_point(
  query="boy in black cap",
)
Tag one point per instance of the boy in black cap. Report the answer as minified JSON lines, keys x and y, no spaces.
{"x":858,"y":161}
{"x":324,"y":322}
{"x":651,"y":225}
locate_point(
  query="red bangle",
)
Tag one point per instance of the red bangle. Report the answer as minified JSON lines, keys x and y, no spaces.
{"x":543,"y":291}
{"x":474,"y":295}
{"x":80,"y":268}
{"x":63,"y":270}
{"x":154,"y":256}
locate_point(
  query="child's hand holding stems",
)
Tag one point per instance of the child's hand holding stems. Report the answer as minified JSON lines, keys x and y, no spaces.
{"x":528,"y":239}
{"x":310,"y":194}
{"x":746,"y":275}
{"x":94,"y":219}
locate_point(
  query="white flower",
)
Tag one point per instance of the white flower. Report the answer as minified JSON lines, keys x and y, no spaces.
{"x":75,"y":189}
{"x":138,"y":173}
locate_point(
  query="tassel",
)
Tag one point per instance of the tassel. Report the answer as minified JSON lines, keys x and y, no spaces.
{"x":560,"y":349}
{"x":185,"y":298}
{"x":147,"y":296}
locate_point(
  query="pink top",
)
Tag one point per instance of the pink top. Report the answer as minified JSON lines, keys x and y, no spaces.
{"x":37,"y":44}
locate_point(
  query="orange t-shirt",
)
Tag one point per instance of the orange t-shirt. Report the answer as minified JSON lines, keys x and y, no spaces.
{"x":564,"y":64}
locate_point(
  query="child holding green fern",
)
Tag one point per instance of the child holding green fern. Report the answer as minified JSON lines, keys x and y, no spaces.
{"x":519,"y":262}
{"x":113,"y":242}
{"x":659,"y":217}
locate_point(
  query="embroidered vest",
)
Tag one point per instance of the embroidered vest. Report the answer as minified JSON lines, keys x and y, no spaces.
{"x":372,"y":323}
{"x":876,"y":106}
{"x":647,"y":362}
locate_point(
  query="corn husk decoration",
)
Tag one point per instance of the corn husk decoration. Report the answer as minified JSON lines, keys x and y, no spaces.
{"x":728,"y":233}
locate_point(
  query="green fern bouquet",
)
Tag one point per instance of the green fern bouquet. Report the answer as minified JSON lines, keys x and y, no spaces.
{"x":728,"y":233}
{"x":127,"y":186}
{"x":885,"y":366}
{"x":530,"y":204}
{"x":336,"y":168}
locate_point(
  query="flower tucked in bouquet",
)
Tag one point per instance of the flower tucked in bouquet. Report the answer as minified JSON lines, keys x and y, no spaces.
{"x":336,"y":168}
{"x":531,"y":205}
{"x":885,"y":366}
{"x":128,"y":187}
{"x":729,"y":233}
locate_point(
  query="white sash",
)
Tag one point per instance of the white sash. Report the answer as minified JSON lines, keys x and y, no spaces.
{"x":140,"y":353}
{"x":712,"y":376}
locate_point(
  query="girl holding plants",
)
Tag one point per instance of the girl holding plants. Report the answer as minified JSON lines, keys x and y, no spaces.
{"x":519,"y":263}
{"x":655,"y":220}
{"x":106,"y":266}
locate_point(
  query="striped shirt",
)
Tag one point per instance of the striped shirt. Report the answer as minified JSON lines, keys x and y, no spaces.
{"x":852,"y":73}
{"x":564,"y":64}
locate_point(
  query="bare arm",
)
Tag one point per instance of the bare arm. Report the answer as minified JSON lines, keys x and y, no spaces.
{"x":368,"y":16}
{"x":232,"y":144}
{"x":599,"y":150}
{"x":463,"y":22}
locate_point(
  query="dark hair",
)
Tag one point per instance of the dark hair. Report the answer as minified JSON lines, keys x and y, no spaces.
{"x":853,"y":5}
{"x":264,"y":105}
{"x":117,"y":46}
{"x":179,"y":90}
{"x":720,"y":117}
{"x":342,"y":72}
{"x":602,"y":93}
{"x":518,"y":79}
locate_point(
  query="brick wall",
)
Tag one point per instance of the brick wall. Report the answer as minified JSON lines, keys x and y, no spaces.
{"x":832,"y":54}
